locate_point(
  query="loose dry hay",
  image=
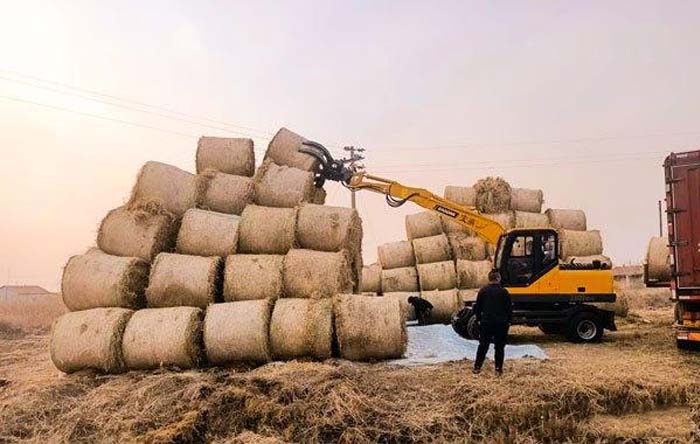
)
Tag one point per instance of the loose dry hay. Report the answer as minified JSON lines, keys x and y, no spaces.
{"x":283,"y":186}
{"x":206,"y":233}
{"x":167,"y":186}
{"x":492,"y":195}
{"x":423,"y":224}
{"x":371,"y":279}
{"x":302,"y":328}
{"x":473,"y":274}
{"x":237,"y":332}
{"x":588,"y":260}
{"x":445,"y":304}
{"x":284,"y":150}
{"x":227,"y":193}
{"x":465,"y":196}
{"x":437,"y":276}
{"x":399,"y":279}
{"x":467,"y":247}
{"x":316,"y":274}
{"x":369,"y":328}
{"x":396,"y":255}
{"x":580,"y":243}
{"x":253,"y":276}
{"x":89,"y":339}
{"x":183,"y":280}
{"x":567,"y":219}
{"x":266,"y":230}
{"x":507,"y":219}
{"x":228,"y":155}
{"x":163,"y":337}
{"x":136,"y":233}
{"x":522,"y":219}
{"x":659,"y":260}
{"x":407,"y":309}
{"x":432,"y":249}
{"x":523,"y":199}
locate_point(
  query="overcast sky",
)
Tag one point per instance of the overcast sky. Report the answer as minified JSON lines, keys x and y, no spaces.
{"x":580,"y":99}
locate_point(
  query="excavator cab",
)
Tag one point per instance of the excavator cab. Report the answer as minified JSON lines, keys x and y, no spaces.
{"x":523,"y":256}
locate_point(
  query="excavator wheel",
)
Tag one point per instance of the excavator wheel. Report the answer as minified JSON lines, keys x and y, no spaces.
{"x":464,"y":323}
{"x":584,"y":327}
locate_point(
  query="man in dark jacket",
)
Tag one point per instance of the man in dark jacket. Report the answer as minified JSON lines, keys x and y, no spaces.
{"x":493,"y":310}
{"x":422,"y":308}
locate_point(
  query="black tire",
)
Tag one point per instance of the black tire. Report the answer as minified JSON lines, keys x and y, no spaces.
{"x":551,"y":329}
{"x":684,"y":345}
{"x":584,"y":327}
{"x":464,"y":324}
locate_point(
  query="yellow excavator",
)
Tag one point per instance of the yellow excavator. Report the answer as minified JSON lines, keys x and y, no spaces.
{"x":546,"y":293}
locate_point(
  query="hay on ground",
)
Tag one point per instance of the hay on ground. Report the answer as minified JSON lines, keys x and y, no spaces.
{"x":266,"y":230}
{"x":316,"y":274}
{"x":227,"y":193}
{"x":206,"y":233}
{"x":437,"y":276}
{"x":228,"y":155}
{"x":284,"y":150}
{"x":372,"y":279}
{"x":445,"y":304}
{"x":237,"y":332}
{"x":399,"y":279}
{"x":467,"y":247}
{"x":407,"y":310}
{"x":253,"y":276}
{"x":89,"y":339}
{"x":579,"y":243}
{"x":168,"y":187}
{"x":283,"y":186}
{"x":522,"y":219}
{"x":97,"y":279}
{"x":302,"y":328}
{"x":523,"y":199}
{"x":136,"y":233}
{"x":567,"y":219}
{"x":183,"y":280}
{"x":658,"y":260}
{"x":465,"y":196}
{"x":423,"y":224}
{"x":432,"y":249}
{"x":473,"y":274}
{"x":492,"y":195}
{"x":396,"y":255}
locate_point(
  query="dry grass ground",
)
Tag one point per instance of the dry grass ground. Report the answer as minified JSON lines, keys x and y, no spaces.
{"x":633,"y":387}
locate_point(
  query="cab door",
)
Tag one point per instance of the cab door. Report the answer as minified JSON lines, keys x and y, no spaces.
{"x":526,"y":256}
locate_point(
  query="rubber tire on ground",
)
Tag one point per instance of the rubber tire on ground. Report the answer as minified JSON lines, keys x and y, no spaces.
{"x":551,"y":329}
{"x":687,"y":345}
{"x":572,"y":333}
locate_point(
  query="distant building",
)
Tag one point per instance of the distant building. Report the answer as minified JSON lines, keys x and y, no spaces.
{"x":13,"y":293}
{"x":628,"y":274}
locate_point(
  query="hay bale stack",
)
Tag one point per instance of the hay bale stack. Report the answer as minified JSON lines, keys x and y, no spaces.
{"x":505,"y":219}
{"x":588,"y":260}
{"x":183,"y":280}
{"x":492,"y":195}
{"x":302,"y":328}
{"x":266,"y":230}
{"x":369,"y":328}
{"x":237,"y":332}
{"x":316,"y":274}
{"x":445,"y":303}
{"x":167,"y":187}
{"x":467,"y":247}
{"x":467,"y":295}
{"x":465,"y":196}
{"x":659,"y":260}
{"x":206,"y":233}
{"x":97,"y":279}
{"x":284,"y":150}
{"x":227,"y":193}
{"x":423,"y":224}
{"x":319,"y":196}
{"x":522,"y":219}
{"x":407,"y":310}
{"x":89,"y":339}
{"x":399,"y":279}
{"x":283,"y":186}
{"x":432,"y":249}
{"x":580,"y":243}
{"x":437,"y":276}
{"x":136,"y":233}
{"x":566,"y":219}
{"x":473,"y":274}
{"x":396,"y":255}
{"x":163,"y":337}
{"x":253,"y":276}
{"x":229,"y":155}
{"x":371,"y":279}
{"x":523,"y":199}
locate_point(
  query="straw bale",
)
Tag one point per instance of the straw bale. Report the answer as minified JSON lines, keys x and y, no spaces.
{"x":227,"y":193}
{"x":659,"y":260}
{"x":396,"y":255}
{"x":228,"y":155}
{"x":473,"y":274}
{"x":302,"y":328}
{"x":523,"y":219}
{"x":505,"y":219}
{"x":284,"y":150}
{"x":283,"y":186}
{"x":319,"y":196}
{"x":445,"y":303}
{"x":267,"y":230}
{"x":523,"y":199}
{"x":206,"y":233}
{"x":465,"y":196}
{"x":432,"y":249}
{"x":372,"y":279}
{"x":238,"y":332}
{"x":423,"y":224}
{"x":400,"y":279}
{"x":136,"y":233}
{"x":253,"y":276}
{"x":492,"y":195}
{"x":580,"y":243}
{"x":468,"y":295}
{"x":183,"y":280}
{"x":588,"y":260}
{"x":316,"y":274}
{"x":167,"y":186}
{"x":437,"y":276}
{"x":467,"y":247}
{"x":567,"y":219}
{"x":407,"y":309}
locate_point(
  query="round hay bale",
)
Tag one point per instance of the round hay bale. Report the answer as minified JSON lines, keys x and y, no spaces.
{"x":183,"y":280}
{"x":134,"y":233}
{"x":319,"y":196}
{"x":283,"y":186}
{"x":408,"y":310}
{"x":325,"y":228}
{"x":206,"y":233}
{"x":468,"y":295}
{"x":473,"y":274}
{"x":228,"y":194}
{"x":465,"y":196}
{"x":467,"y":247}
{"x":396,"y":255}
{"x":492,"y":195}
{"x":432,"y":249}
{"x":253,"y":276}
{"x":372,"y":279}
{"x":449,"y":226}
{"x":97,"y":279}
{"x":163,"y":337}
{"x":284,"y":150}
{"x":228,"y":155}
{"x":89,"y":339}
{"x":588,"y":260}
{"x":445,"y":303}
{"x":522,"y":219}
{"x":437,"y":276}
{"x":266,"y":230}
{"x":168,"y":187}
{"x":302,"y":328}
{"x":423,"y":224}
{"x":399,"y":279}
{"x":620,"y":307}
{"x":505,"y":219}
{"x":567,"y":219}
{"x":659,"y":260}
{"x":369,"y":328}
{"x":316,"y":274}
{"x":238,"y":332}
{"x":580,"y":243}
{"x":523,"y":199}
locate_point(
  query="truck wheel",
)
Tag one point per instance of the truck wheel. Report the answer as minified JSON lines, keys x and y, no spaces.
{"x":551,"y":329}
{"x":584,"y":327}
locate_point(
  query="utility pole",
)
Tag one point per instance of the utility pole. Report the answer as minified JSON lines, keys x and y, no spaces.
{"x":355,"y":157}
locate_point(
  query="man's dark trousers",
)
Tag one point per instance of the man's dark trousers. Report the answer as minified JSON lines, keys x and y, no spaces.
{"x":496,"y":332}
